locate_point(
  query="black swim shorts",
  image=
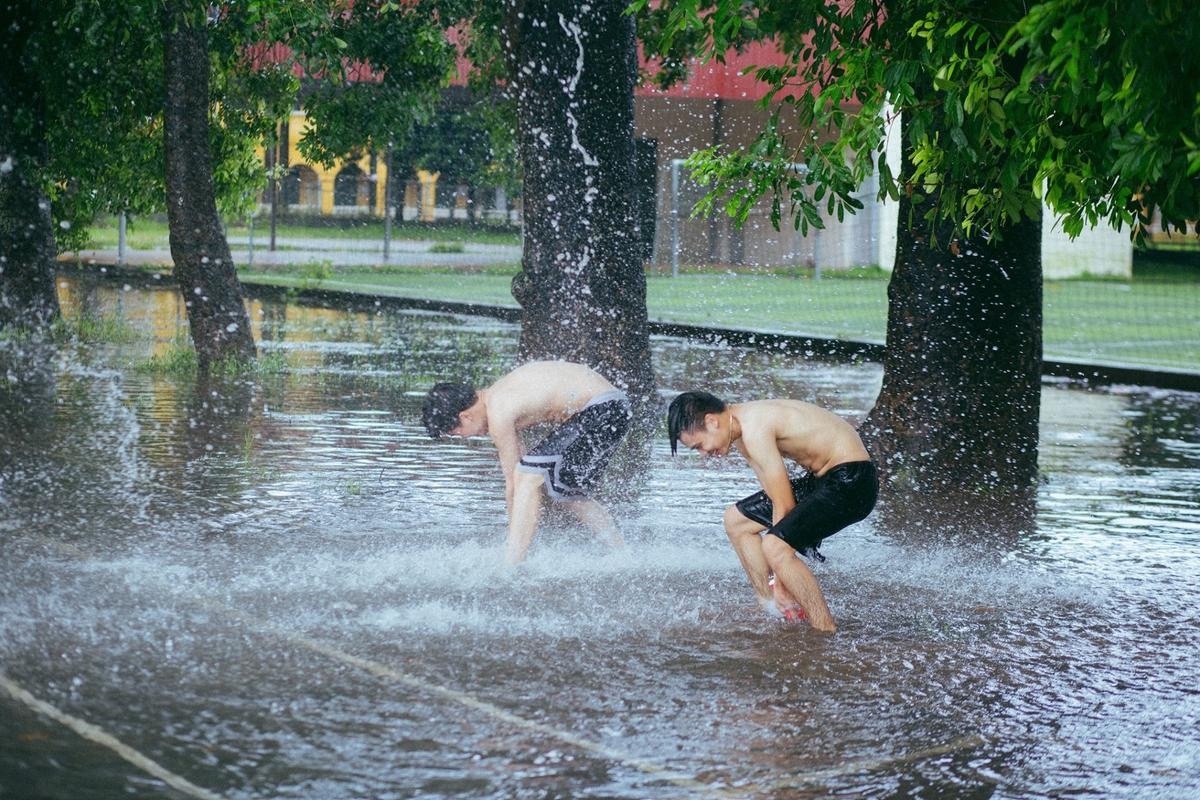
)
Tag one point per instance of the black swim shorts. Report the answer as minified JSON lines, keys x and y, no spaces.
{"x":824,"y":505}
{"x":575,"y":453}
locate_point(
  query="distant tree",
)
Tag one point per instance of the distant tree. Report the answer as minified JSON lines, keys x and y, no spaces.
{"x":27,"y":254}
{"x":382,"y":77}
{"x":386,"y":93}
{"x":204,"y":267}
{"x":98,"y":71}
{"x":466,"y":136}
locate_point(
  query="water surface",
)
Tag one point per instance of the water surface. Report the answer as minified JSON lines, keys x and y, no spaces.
{"x":281,"y":588}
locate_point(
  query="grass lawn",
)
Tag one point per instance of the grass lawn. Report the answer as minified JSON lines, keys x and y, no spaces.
{"x":1143,"y":322}
{"x":490,"y":287}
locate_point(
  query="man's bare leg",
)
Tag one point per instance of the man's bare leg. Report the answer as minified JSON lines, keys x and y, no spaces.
{"x":745,"y":536}
{"x":597,"y":518}
{"x":786,"y":602}
{"x":799,"y":581}
{"x":522,"y":522}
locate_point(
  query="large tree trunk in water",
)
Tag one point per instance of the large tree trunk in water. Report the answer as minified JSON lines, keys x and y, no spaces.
{"x":27,"y":252}
{"x":203,"y":264}
{"x":955,"y":427}
{"x":582,"y":288}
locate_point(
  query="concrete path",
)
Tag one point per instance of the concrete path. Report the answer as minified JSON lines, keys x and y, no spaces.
{"x":367,"y":245}
{"x":337,"y":252}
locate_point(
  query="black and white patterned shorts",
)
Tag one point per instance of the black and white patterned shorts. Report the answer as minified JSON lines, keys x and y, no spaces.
{"x":575,"y":453}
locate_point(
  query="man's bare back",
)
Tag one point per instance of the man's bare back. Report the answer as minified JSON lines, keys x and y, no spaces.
{"x":814,"y":438}
{"x":592,"y":417}
{"x":542,"y":391}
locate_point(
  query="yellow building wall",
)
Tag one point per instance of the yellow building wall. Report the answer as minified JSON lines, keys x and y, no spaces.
{"x":298,"y":124}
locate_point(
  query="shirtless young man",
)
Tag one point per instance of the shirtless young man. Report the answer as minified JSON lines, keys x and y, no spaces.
{"x":594,"y":417}
{"x":839,"y":488}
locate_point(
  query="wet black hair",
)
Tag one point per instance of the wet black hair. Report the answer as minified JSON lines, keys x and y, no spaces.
{"x":687,"y":411}
{"x":443,"y":404}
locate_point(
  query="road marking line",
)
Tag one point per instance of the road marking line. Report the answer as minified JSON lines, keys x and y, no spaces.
{"x":379,"y":670}
{"x":101,"y":737}
{"x":868,"y":765}
{"x":385,"y":672}
{"x":650,"y":768}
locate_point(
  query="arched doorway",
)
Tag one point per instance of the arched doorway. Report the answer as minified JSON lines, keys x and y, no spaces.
{"x":302,"y":189}
{"x":351,"y":191}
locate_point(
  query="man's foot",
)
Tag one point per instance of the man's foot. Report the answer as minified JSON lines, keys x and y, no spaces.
{"x":787,"y":605}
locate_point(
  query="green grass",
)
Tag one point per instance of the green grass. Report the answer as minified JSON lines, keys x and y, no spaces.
{"x":179,"y":360}
{"x":1159,"y":266}
{"x":139,"y":235}
{"x":784,"y":270}
{"x":476,"y":287}
{"x":97,"y":328}
{"x":1141,"y":322}
{"x":81,"y":328}
{"x":373,"y":229}
{"x":1151,"y":320}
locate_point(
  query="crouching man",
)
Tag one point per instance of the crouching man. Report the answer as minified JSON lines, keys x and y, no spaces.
{"x":592,"y":415}
{"x":839,"y":486}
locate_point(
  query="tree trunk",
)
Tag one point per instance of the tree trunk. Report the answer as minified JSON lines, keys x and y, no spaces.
{"x":582,"y":286}
{"x":955,"y":427}
{"x":204,"y":266}
{"x":27,"y":252}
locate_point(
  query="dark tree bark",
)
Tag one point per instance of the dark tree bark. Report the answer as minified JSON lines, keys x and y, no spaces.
{"x":204,"y":266}
{"x":27,"y":251}
{"x":955,"y":427}
{"x":582,"y":286}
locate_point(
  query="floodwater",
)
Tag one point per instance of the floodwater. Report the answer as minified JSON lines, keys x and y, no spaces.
{"x":280,"y":588}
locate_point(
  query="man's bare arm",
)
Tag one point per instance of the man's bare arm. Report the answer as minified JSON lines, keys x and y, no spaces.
{"x":765,"y":459}
{"x":509,"y":448}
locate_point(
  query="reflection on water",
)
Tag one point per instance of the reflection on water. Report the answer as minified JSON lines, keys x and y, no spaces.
{"x":221,"y":528}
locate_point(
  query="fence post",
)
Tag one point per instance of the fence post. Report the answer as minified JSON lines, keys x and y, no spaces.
{"x":121,"y":238}
{"x":274,"y":187}
{"x":387,"y":203}
{"x":675,"y":162}
{"x":816,"y":253}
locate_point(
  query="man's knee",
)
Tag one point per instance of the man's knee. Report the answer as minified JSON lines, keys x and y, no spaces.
{"x":776,"y":550}
{"x":735,"y":521}
{"x":527,"y":482}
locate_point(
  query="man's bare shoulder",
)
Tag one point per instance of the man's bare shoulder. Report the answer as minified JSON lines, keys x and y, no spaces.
{"x":550,"y":376}
{"x":774,"y":405}
{"x":783,"y":406}
{"x":544,"y":389}
{"x":772,"y":413}
{"x":810,"y":435}
{"x":778,"y":419}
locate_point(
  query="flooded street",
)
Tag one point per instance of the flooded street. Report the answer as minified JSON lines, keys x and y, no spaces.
{"x":282,"y":588}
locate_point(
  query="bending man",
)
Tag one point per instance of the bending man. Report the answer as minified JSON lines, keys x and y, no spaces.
{"x":839,"y":487}
{"x":593,"y":418}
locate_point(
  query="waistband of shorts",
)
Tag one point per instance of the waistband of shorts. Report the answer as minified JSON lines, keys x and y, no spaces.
{"x":849,"y":465}
{"x":609,"y":396}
